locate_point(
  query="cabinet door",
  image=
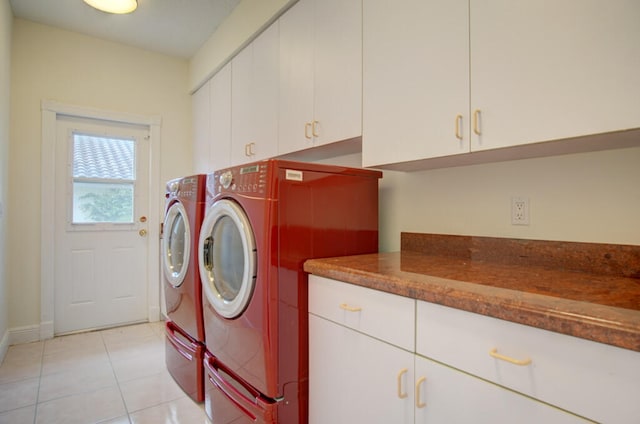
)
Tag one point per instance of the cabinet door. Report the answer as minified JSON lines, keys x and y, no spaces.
{"x":549,"y":366}
{"x":200,"y":104}
{"x":446,"y":395}
{"x":296,"y":78}
{"x":545,"y":70}
{"x":219,"y":140}
{"x":255,"y":99}
{"x":415,"y":80}
{"x":354,"y":378}
{"x":212,"y":123}
{"x":385,"y":316}
{"x":337,"y":78}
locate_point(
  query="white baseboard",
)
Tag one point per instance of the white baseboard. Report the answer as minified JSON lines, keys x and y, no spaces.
{"x":26,"y":334}
{"x":4,"y":345}
{"x":154,"y":313}
{"x":46,"y":330}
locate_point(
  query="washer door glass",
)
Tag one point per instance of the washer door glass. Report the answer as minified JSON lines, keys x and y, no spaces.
{"x":176,"y":244}
{"x":227,"y":257}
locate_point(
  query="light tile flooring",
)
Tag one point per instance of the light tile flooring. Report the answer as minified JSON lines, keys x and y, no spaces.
{"x":113,"y":376}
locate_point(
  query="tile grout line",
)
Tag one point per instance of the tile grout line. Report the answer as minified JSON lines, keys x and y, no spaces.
{"x":35,"y":411}
{"x":104,"y":343}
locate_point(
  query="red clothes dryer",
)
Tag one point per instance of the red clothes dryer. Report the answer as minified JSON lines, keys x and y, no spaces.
{"x":184,"y":211}
{"x":263,"y":220}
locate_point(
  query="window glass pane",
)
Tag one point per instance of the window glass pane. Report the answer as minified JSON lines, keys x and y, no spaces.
{"x":95,"y":202}
{"x":105,"y":158}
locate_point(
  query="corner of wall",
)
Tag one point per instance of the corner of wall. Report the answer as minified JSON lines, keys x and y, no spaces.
{"x":4,"y":345}
{"x":6,"y":26}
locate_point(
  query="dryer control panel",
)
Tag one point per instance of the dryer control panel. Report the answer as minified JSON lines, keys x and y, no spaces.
{"x":250,"y":179}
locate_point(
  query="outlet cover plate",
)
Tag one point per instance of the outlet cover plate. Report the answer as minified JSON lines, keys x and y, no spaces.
{"x":519,"y":210}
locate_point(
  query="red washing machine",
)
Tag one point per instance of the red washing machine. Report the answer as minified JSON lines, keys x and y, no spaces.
{"x":263,"y":221}
{"x":184,"y":211}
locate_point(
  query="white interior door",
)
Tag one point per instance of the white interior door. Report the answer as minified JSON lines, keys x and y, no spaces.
{"x":101,"y":244}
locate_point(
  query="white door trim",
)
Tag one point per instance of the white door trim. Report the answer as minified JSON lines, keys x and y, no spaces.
{"x":50,"y":111}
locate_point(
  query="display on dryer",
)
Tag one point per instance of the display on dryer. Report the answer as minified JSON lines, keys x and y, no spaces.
{"x":176,"y":244}
{"x":227,"y":258}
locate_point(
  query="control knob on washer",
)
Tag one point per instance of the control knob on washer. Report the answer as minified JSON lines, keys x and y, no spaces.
{"x":225,"y":179}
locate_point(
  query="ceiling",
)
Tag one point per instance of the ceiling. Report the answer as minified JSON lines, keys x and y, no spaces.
{"x":172,"y":27}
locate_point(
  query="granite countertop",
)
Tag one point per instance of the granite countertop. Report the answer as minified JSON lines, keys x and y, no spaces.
{"x":585,"y":290}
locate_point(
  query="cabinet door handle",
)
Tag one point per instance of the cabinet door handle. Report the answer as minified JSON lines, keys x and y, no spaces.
{"x":459,"y":127}
{"x":522,"y":362}
{"x":314,"y":125}
{"x":348,"y":308}
{"x":419,"y":403}
{"x":401,"y":395}
{"x":307,"y":125}
{"x":476,"y":122}
{"x":248,"y":149}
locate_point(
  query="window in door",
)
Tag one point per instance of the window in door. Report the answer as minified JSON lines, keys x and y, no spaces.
{"x":103,"y":180}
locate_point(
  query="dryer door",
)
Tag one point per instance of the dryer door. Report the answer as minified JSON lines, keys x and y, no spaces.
{"x":176,"y":244}
{"x":227,"y":256}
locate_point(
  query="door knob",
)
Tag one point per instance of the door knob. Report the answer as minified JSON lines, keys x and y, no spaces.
{"x":142,"y":232}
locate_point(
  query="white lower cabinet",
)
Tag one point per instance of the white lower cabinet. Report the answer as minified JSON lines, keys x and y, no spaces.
{"x":446,"y":395}
{"x":359,"y":373}
{"x":354,"y":378}
{"x":590,"y":379}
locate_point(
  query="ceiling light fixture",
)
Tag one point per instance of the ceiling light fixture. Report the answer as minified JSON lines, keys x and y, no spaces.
{"x":114,"y":6}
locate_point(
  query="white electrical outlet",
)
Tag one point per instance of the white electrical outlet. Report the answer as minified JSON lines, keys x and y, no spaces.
{"x":519,"y":211}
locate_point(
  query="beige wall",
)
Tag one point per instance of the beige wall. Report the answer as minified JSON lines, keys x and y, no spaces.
{"x":585,"y":197}
{"x":6,"y":18}
{"x":53,"y":64}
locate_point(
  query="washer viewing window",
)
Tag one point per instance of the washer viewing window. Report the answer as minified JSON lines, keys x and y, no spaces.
{"x":227,"y":257}
{"x":176,"y":244}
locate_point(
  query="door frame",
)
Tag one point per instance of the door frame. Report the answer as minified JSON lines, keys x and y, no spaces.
{"x":50,"y":111}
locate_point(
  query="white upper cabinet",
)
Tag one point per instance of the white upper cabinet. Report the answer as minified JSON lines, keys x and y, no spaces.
{"x":320,"y":74}
{"x":200,"y":104}
{"x":415,"y":80}
{"x":446,"y":77}
{"x":220,"y":119}
{"x":212,"y":123}
{"x":547,"y":70}
{"x":254,"y":102}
